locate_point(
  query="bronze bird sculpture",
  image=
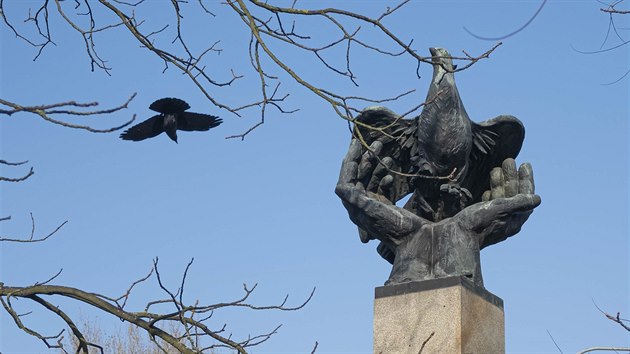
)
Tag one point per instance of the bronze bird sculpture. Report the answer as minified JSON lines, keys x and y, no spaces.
{"x":450,"y":155}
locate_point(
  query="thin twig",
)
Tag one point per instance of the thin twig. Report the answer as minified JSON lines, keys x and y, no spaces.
{"x":499,"y":38}
{"x":425,"y":342}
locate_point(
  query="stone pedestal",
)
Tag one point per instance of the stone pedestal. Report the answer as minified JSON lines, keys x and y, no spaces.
{"x":449,"y":315}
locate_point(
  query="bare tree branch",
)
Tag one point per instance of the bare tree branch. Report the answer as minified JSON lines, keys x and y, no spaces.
{"x":617,"y":319}
{"x":32,"y":238}
{"x":46,"y":111}
{"x":3,"y":162}
{"x":267,"y":24}
{"x":602,"y":50}
{"x":554,"y":342}
{"x":195,"y":328}
{"x":425,"y":342}
{"x":499,"y":38}
{"x":606,"y":349}
{"x":615,"y":11}
{"x":314,"y":348}
{"x":18,"y":179}
{"x":612,"y":12}
{"x":618,"y":79}
{"x":44,"y":33}
{"x":339,"y":103}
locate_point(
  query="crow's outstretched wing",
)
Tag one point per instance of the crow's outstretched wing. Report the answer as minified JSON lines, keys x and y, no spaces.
{"x":189,"y":121}
{"x":494,"y":140}
{"x":147,"y":129}
{"x":169,"y":105}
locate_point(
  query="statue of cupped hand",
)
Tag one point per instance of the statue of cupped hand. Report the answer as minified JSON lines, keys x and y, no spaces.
{"x":424,"y":249}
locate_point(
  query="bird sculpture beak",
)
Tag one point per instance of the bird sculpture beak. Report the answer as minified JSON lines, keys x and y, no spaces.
{"x":435,"y":55}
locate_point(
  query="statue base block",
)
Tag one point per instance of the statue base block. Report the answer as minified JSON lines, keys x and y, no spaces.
{"x":448,"y":315}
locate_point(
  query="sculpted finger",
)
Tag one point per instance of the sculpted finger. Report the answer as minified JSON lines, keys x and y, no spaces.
{"x":379,"y":172}
{"x":354,"y":151}
{"x":525,"y":202}
{"x":496,"y":183}
{"x":487,"y":195}
{"x":465,"y":192}
{"x":510,"y":176}
{"x":498,"y":208}
{"x":385,"y":187}
{"x":365,"y":167}
{"x":348,"y":173}
{"x":526,"y":179}
{"x":377,"y":147}
{"x":383,"y":167}
{"x":374,"y":150}
{"x":367,"y":160}
{"x":360,"y":187}
{"x":483,"y":214}
{"x":364,"y":236}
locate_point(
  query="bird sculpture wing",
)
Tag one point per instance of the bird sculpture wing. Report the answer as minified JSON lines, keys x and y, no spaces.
{"x":147,"y":129}
{"x":494,"y":141}
{"x":169,"y":105}
{"x":189,"y":121}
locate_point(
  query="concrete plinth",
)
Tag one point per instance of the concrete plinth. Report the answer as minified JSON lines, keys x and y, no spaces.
{"x":448,"y":315}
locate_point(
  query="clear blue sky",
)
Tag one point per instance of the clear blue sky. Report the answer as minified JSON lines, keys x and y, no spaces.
{"x":263,"y":210}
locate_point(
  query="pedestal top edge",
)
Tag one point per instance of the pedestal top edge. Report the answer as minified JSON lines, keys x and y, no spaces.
{"x":432,"y":284}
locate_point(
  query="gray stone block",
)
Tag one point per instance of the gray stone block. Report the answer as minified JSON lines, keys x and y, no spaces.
{"x":448,"y":315}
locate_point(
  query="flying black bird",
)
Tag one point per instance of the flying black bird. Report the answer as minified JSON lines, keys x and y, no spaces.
{"x":173,"y":116}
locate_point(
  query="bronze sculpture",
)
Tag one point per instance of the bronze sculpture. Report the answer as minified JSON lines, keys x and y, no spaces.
{"x":466,"y":191}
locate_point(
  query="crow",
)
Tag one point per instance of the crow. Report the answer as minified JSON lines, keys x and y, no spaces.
{"x":173,"y":116}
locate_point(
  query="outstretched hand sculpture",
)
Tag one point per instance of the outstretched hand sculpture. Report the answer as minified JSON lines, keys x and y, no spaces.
{"x":467,"y":192}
